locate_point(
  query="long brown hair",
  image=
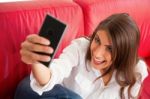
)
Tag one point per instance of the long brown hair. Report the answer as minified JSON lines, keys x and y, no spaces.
{"x":124,"y":33}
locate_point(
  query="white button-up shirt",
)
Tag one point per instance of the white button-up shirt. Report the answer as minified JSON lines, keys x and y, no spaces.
{"x":70,"y":71}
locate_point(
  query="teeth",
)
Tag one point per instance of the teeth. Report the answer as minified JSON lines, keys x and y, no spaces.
{"x":98,"y":60}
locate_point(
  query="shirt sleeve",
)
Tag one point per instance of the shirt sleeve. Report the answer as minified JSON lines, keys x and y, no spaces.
{"x":60,"y":68}
{"x":142,"y":73}
{"x":141,"y":68}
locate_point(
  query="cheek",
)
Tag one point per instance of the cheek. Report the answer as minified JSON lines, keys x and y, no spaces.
{"x":109,"y":57}
{"x":92,"y":47}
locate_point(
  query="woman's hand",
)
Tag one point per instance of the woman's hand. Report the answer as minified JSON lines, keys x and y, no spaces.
{"x":32,"y":44}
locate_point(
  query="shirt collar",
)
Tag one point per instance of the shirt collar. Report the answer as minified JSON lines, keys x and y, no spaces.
{"x":91,"y":68}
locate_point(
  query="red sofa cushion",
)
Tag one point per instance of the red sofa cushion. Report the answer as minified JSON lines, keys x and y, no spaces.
{"x":19,"y":19}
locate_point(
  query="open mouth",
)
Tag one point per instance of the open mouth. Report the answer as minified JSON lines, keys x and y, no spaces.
{"x":98,"y":62}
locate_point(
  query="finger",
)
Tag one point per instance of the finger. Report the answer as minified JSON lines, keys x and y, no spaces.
{"x":26,"y":58}
{"x":36,"y":47}
{"x":31,"y":57}
{"x":28,"y":61}
{"x":34,"y":38}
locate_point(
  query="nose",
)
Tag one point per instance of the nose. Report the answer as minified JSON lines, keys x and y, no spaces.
{"x":99,"y":52}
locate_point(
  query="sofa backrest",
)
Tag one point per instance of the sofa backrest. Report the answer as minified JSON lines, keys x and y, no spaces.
{"x":19,"y":19}
{"x":97,"y":10}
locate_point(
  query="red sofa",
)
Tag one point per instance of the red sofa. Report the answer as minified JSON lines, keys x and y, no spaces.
{"x":17,"y":20}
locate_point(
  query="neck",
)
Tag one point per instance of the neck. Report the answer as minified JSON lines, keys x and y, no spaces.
{"x":106,"y":78}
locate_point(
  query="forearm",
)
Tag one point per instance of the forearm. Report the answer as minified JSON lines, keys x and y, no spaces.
{"x":41,"y":73}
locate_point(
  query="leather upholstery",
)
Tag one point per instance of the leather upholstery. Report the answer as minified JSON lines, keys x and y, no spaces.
{"x":19,"y":19}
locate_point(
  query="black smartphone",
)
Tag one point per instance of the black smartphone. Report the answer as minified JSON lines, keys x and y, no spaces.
{"x":53,"y":30}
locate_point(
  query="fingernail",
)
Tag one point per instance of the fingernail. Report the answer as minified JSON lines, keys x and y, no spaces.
{"x":51,"y":50}
{"x":48,"y":59}
{"x":47,"y":42}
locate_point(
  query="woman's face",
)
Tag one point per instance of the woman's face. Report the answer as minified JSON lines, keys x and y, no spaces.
{"x":101,"y":49}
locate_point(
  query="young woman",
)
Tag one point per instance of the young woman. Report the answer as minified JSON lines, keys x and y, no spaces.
{"x":104,"y":66}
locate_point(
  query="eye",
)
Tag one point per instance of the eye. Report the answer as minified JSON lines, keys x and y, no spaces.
{"x":109,"y":48}
{"x":97,"y":40}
